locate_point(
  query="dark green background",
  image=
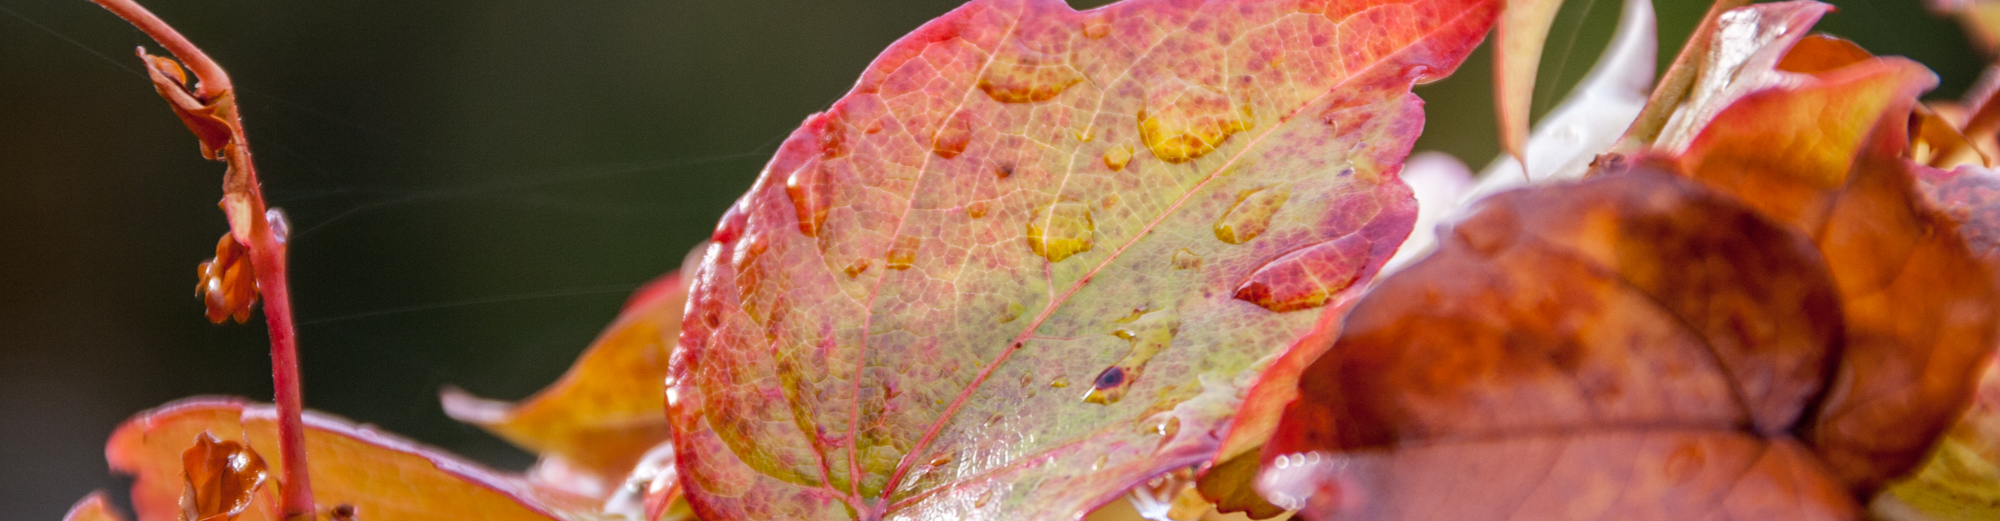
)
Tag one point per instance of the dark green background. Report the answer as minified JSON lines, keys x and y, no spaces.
{"x":473,"y":186}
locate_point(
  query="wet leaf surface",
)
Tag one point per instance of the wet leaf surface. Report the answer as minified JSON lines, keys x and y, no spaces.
{"x":1035,"y":257}
{"x":220,"y":479}
{"x":372,"y":474}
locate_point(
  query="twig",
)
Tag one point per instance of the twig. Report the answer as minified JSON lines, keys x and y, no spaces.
{"x":212,"y":103}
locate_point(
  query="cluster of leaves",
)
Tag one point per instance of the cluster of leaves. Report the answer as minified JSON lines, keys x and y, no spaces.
{"x":1040,"y":259}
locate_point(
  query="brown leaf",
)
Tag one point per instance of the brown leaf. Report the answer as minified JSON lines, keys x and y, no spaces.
{"x":1626,"y":345}
{"x":220,"y":478}
{"x":228,"y":285}
{"x":1825,"y":156}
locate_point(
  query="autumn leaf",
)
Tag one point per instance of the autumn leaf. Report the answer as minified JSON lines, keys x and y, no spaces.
{"x":220,"y":478}
{"x":1034,"y":257}
{"x":1523,"y":28}
{"x":1740,"y":57}
{"x":1576,"y":351}
{"x":1825,"y":155}
{"x":363,"y":471}
{"x":93,"y":508}
{"x":592,"y":426}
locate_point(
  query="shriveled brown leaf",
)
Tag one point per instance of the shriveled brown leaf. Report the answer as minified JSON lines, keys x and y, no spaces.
{"x":1824,"y":155}
{"x":220,"y":478}
{"x":1631,"y":346}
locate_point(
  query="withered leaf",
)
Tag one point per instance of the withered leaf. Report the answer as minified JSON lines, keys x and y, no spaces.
{"x":1825,"y":155}
{"x":219,"y":478}
{"x":1630,"y":345}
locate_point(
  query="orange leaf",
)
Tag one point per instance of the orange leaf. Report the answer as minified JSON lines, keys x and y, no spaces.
{"x":372,"y":474}
{"x":93,"y":508}
{"x":1825,"y":156}
{"x":593,"y":425}
{"x":1630,"y":344}
{"x":221,"y":477}
{"x":1742,"y":57}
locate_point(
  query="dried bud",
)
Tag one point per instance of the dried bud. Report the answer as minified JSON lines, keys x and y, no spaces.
{"x":228,"y":283}
{"x":221,"y":479}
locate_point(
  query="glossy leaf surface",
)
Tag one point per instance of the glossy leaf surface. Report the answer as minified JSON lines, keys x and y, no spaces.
{"x":592,"y":426}
{"x":375,"y":475}
{"x":1034,"y":257}
{"x":1629,"y":346}
{"x":1741,"y":57}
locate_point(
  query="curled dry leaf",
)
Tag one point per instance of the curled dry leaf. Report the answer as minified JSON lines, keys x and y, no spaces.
{"x":372,"y":474}
{"x":1626,"y":345}
{"x":219,"y":479}
{"x":592,"y":426}
{"x":1036,"y":255}
{"x":1826,"y":156}
{"x":1960,"y":479}
{"x":228,"y":285}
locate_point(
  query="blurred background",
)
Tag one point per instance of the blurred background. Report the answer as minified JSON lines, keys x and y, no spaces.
{"x":473,"y":186}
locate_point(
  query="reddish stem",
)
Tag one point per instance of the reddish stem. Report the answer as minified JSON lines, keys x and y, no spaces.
{"x":267,"y":253}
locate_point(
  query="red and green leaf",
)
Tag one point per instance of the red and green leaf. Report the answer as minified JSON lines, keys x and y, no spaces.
{"x":1036,"y":255}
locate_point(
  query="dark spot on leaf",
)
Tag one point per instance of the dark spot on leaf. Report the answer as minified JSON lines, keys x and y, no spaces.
{"x":1110,"y":378}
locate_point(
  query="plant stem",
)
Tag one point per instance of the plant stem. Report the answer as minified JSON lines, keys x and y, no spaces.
{"x":267,"y":250}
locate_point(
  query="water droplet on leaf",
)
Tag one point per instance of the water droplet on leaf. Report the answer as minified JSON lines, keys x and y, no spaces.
{"x":1022,"y":75}
{"x":1118,"y":157}
{"x":1014,"y":310}
{"x":953,"y":136}
{"x":1251,"y":215}
{"x":1308,"y":277}
{"x":1061,"y":230}
{"x":811,"y":196}
{"x":904,"y":253}
{"x":1183,"y":122}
